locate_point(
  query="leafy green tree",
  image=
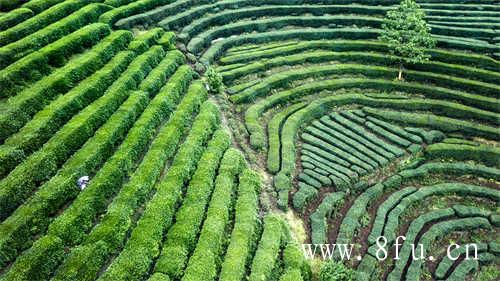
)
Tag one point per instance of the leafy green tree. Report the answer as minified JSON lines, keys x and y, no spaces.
{"x":335,"y":271}
{"x":407,"y":34}
{"x":214,"y":80}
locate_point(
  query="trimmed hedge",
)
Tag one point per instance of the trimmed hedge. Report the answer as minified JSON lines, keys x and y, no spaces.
{"x":291,"y":274}
{"x":233,"y":17}
{"x":451,"y":61}
{"x":14,"y":17}
{"x":385,"y":148}
{"x":40,"y":21}
{"x":167,"y":41}
{"x":337,"y":137}
{"x":338,"y":150}
{"x":46,"y":122}
{"x":202,"y":40}
{"x":323,"y":157}
{"x":351,"y":221}
{"x":458,"y":189}
{"x":175,"y":18}
{"x":454,"y":168}
{"x":464,"y":211}
{"x":364,"y":142}
{"x":304,"y":196}
{"x":246,"y":228}
{"x":145,"y":40}
{"x":441,"y":123}
{"x":32,"y":218}
{"x":44,"y":163}
{"x":435,"y":72}
{"x":337,"y":174}
{"x":74,"y":222}
{"x":442,"y":33}
{"x":463,"y":269}
{"x":274,"y":236}
{"x":217,"y":49}
{"x":39,"y":6}
{"x":447,"y":263}
{"x":295,"y":265}
{"x":411,"y":234}
{"x":112,"y":16}
{"x":319,"y":218}
{"x":35,"y":41}
{"x":384,"y":211}
{"x":35,"y":265}
{"x":449,"y":108}
{"x":273,"y":133}
{"x":114,"y":225}
{"x":182,"y":236}
{"x":484,"y":154}
{"x":428,"y":136}
{"x":134,"y":261}
{"x":438,"y":231}
{"x":320,"y":107}
{"x":162,"y":73}
{"x":204,"y":263}
{"x":34,"y":66}
{"x":21,"y":107}
{"x":396,"y":130}
{"x":389,"y":135}
{"x":284,"y":78}
{"x":168,"y":11}
{"x":69,"y":226}
{"x":158,"y":277}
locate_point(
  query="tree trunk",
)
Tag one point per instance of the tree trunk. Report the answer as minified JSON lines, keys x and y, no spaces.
{"x":400,"y":75}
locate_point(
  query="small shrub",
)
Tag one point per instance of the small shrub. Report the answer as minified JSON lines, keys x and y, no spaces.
{"x":214,"y":80}
{"x":335,"y":271}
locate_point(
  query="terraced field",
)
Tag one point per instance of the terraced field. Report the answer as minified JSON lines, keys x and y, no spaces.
{"x":312,"y":141}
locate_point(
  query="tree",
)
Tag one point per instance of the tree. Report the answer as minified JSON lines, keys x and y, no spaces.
{"x":407,"y":34}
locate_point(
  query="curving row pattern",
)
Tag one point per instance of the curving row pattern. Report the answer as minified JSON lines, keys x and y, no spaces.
{"x":99,"y":88}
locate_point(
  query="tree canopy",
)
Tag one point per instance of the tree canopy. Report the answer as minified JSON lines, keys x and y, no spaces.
{"x":407,"y":34}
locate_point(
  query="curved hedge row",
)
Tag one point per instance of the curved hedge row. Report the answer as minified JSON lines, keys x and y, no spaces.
{"x":181,"y":237}
{"x":245,"y":230}
{"x":319,"y":107}
{"x":14,"y":17}
{"x":273,"y":134}
{"x":44,"y":163}
{"x":278,"y":80}
{"x":482,"y":153}
{"x":113,"y":227}
{"x":33,"y":216}
{"x":446,"y":263}
{"x":319,"y":218}
{"x":449,"y":108}
{"x":134,"y":261}
{"x":53,"y":194}
{"x":443,"y":33}
{"x":204,"y":264}
{"x":273,"y":50}
{"x":21,"y":107}
{"x":46,"y":122}
{"x":36,"y":40}
{"x":352,"y":220}
{"x":274,"y":236}
{"x":388,"y":213}
{"x":31,"y":68}
{"x":47,"y":17}
{"x":322,"y":54}
{"x":439,"y":230}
